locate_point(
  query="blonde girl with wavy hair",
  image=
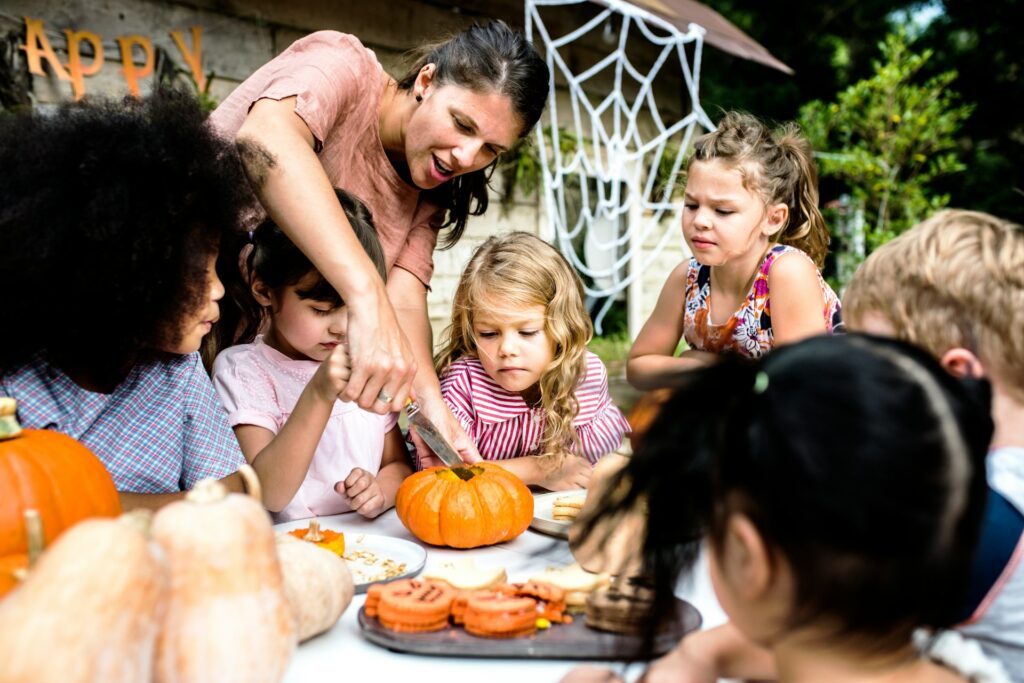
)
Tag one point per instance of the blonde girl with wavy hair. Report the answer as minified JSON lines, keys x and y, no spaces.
{"x":751,"y":221}
{"x":515,"y":369}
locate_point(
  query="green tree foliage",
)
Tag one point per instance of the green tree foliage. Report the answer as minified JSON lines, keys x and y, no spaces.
{"x":889,"y":137}
{"x":829,"y":45}
{"x":981,"y":40}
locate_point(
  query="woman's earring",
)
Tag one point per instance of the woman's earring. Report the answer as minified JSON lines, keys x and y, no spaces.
{"x":419,"y":98}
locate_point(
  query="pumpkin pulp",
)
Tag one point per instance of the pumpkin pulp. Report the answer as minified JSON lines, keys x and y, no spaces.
{"x":456,"y":473}
{"x":325,"y":538}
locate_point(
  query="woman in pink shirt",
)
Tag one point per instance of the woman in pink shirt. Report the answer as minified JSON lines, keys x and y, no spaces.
{"x":416,"y":150}
{"x":316,"y":455}
{"x":515,"y":369}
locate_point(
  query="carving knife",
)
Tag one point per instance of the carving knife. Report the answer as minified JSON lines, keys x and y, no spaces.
{"x":433,"y":438}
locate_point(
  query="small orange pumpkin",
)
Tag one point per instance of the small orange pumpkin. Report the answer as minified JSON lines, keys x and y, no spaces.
{"x":482,"y":505}
{"x":49,"y":472}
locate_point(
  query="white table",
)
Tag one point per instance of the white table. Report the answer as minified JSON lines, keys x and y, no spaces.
{"x":342,"y":654}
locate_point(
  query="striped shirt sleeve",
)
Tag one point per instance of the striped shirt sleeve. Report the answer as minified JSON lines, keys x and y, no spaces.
{"x":457,"y":393}
{"x":599,"y":424}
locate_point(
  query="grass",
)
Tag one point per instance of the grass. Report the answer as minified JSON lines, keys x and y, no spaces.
{"x":611,"y":348}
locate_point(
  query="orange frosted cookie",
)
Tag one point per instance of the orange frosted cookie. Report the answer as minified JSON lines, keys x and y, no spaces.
{"x":575,"y":581}
{"x":500,"y":614}
{"x":550,"y":600}
{"x":410,"y":605}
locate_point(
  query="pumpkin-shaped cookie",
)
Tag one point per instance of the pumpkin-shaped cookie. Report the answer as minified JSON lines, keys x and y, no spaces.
{"x":485,"y":505}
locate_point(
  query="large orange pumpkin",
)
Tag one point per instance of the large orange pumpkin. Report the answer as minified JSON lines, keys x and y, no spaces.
{"x":49,"y":472}
{"x":490,"y":505}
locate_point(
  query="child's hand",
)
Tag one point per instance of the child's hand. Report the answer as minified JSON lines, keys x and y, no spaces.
{"x":332,"y":376}
{"x":591,"y":674}
{"x":425,"y":457}
{"x":436,"y":410}
{"x":564,"y":471}
{"x":363,"y":493}
{"x":679,"y":666}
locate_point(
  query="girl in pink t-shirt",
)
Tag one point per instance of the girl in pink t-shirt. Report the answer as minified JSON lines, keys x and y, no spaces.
{"x":281,"y":390}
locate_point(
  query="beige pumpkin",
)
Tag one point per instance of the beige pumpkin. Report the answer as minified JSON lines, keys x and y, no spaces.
{"x":317,"y":583}
{"x":89,"y":610}
{"x":227,"y":618}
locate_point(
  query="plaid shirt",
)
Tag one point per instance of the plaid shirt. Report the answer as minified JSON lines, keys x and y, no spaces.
{"x":160,"y":431}
{"x":503,"y":426}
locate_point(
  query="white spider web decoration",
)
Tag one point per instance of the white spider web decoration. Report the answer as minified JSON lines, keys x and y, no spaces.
{"x":604,"y":196}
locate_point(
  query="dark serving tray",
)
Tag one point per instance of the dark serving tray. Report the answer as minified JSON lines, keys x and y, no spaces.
{"x":561,"y":641}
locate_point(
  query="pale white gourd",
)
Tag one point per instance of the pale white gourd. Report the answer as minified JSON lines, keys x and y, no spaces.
{"x":227,"y":618}
{"x":88,"y":611}
{"x":317,"y":583}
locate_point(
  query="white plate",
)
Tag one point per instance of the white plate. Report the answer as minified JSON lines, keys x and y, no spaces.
{"x":369,"y":569}
{"x":544,"y":520}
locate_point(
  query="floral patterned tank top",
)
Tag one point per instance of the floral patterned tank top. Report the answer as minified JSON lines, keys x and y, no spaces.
{"x":748,"y":331}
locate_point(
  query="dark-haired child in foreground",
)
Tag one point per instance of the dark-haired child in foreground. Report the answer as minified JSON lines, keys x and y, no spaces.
{"x":111,"y":215}
{"x":839,"y":484}
{"x":317,"y":455}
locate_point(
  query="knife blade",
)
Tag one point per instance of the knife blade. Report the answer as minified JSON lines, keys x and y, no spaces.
{"x":433,"y":438}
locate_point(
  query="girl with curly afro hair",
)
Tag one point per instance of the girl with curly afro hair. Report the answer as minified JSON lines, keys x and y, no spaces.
{"x":112,"y":214}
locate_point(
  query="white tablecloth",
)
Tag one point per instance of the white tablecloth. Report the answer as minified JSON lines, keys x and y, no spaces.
{"x":342,"y":654}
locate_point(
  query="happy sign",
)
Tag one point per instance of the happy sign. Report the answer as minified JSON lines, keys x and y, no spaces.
{"x":38,"y":49}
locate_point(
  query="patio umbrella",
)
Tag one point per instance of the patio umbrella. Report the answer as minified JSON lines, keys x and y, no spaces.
{"x":720,"y":32}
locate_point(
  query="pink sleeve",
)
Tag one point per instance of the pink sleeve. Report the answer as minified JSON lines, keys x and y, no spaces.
{"x":245,"y":391}
{"x":327,"y":72}
{"x":417,"y":255}
{"x":599,"y":424}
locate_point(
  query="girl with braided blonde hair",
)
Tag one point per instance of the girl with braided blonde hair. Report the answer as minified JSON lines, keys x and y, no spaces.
{"x":751,"y":221}
{"x":515,"y":370}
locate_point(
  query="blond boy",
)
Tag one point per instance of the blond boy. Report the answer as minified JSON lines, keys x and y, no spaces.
{"x":954,"y":285}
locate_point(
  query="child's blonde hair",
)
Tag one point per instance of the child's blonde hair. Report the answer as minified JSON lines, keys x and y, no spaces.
{"x":955,"y":280}
{"x":777,"y":165}
{"x":513,"y":271}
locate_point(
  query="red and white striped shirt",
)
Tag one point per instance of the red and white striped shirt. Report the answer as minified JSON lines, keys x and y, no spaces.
{"x":503,"y":426}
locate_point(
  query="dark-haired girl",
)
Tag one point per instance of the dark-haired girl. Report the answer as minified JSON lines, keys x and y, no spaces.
{"x":839,"y":484}
{"x":315,"y":455}
{"x":111,"y":215}
{"x":418,"y":151}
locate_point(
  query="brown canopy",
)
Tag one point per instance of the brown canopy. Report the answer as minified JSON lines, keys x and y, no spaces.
{"x":720,"y":32}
